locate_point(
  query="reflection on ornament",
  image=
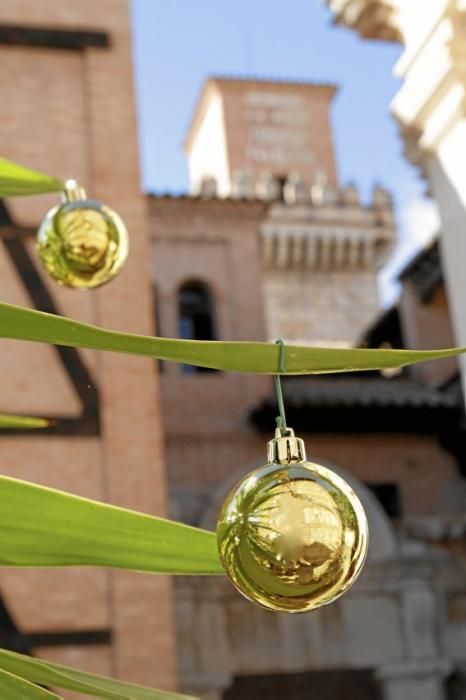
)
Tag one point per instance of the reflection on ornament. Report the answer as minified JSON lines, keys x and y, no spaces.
{"x":82,"y":243}
{"x":292,"y":535}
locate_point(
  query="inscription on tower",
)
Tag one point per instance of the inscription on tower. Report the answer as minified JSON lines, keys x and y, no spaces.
{"x":277,"y":128}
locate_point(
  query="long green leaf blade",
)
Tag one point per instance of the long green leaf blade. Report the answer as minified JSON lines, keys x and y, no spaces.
{"x":56,"y":675}
{"x":261,"y":358}
{"x":22,"y":422}
{"x":14,"y":688}
{"x":45,"y":527}
{"x":16,"y":180}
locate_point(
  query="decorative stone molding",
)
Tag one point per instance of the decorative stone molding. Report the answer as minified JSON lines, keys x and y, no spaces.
{"x":295,"y":190}
{"x":381,"y":198}
{"x":325,"y":246}
{"x":208,"y":188}
{"x":242,"y":185}
{"x":208,"y":686}
{"x":427,"y":110}
{"x":407,"y":680}
{"x":437,"y":528}
{"x":372,"y":19}
{"x":424,"y":109}
{"x":430,"y":108}
{"x":350,"y":195}
{"x":319,"y":189}
{"x":268,"y":187}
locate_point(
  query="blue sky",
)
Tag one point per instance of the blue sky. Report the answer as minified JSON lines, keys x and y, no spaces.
{"x":177,"y":44}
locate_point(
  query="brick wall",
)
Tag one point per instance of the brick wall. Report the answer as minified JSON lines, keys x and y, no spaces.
{"x":71,"y":113}
{"x":214,"y":242}
{"x":427,"y":325}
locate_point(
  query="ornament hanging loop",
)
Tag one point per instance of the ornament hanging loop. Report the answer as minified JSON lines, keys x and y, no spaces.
{"x":281,"y":419}
{"x":73,"y":192}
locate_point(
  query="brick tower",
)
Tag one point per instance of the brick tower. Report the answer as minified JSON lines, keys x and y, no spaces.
{"x":243,"y":130}
{"x":320,"y":247}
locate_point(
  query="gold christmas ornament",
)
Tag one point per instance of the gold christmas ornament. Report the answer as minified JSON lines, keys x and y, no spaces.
{"x":292,"y":535}
{"x":82,"y":243}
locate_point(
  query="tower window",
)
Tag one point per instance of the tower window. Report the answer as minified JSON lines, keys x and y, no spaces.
{"x":157,"y":321}
{"x":196,"y":317}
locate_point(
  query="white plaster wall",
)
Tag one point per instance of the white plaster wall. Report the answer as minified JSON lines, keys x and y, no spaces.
{"x":208,"y":153}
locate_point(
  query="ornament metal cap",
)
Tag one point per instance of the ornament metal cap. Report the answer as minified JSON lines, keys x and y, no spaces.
{"x":286,"y":449}
{"x":72,"y":192}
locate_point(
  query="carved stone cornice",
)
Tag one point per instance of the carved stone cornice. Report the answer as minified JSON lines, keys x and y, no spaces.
{"x":427,"y":109}
{"x":328,"y":238}
{"x":372,"y":19}
{"x":432,"y":98}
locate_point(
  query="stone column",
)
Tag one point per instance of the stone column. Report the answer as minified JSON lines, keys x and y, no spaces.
{"x":432,"y":118}
{"x":420,"y":620}
{"x":422,"y":676}
{"x":414,"y":680}
{"x":207,"y":687}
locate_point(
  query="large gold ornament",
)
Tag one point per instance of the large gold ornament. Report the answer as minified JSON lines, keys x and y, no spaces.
{"x":292,"y":535}
{"x":82,"y":243}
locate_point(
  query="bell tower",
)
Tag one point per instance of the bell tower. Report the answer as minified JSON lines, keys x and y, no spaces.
{"x":245,"y":131}
{"x":321,"y":247}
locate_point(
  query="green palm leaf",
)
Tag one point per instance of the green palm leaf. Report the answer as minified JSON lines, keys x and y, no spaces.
{"x":14,"y":688}
{"x":15,"y":180}
{"x":261,"y":358}
{"x":58,"y":676}
{"x":24,"y":422}
{"x":45,"y":527}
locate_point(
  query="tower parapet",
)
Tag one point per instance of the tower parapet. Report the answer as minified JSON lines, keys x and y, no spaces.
{"x":320,"y":258}
{"x":302,"y":231}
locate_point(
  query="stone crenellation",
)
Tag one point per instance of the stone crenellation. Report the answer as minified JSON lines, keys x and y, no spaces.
{"x":327,"y":229}
{"x":319,"y":249}
{"x":293,"y":190}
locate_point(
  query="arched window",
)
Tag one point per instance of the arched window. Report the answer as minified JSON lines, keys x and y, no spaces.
{"x":196,"y":316}
{"x":157,"y":325}
{"x":156,"y":310}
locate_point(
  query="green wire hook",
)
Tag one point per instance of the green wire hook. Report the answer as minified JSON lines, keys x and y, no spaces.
{"x":281,"y":419}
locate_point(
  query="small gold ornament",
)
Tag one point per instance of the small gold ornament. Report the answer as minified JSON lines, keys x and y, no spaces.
{"x":292,"y":535}
{"x":82,"y":243}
